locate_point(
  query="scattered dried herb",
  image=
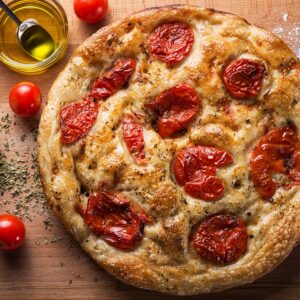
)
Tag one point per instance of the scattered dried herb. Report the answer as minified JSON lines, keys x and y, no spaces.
{"x":49,"y":240}
{"x":20,"y":187}
{"x":5,"y":124}
{"x":21,"y":192}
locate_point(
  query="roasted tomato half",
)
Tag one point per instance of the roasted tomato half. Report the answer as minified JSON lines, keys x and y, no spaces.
{"x":176,"y":108}
{"x":195,"y":169}
{"x":243,"y":78}
{"x":171,"y":42}
{"x":116,"y":219}
{"x":276,"y":152}
{"x":221,"y":239}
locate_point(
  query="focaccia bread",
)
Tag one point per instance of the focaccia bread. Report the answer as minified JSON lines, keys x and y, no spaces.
{"x":169,"y":149}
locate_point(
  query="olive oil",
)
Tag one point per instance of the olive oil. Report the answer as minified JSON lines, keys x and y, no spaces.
{"x":49,"y":15}
{"x":38,"y":42}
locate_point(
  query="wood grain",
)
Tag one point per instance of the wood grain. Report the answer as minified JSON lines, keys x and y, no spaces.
{"x":60,"y":270}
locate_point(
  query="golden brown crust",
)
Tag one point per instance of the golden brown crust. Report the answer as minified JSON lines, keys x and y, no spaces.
{"x":165,"y":260}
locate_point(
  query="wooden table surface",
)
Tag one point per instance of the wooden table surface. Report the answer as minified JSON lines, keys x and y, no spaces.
{"x":50,"y":265}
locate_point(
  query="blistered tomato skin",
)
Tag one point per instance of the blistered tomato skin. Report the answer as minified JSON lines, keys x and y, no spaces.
{"x":134,"y":138}
{"x":12,"y":232}
{"x":176,"y":107}
{"x":221,"y":239}
{"x":195,"y":169}
{"x":76,"y":119}
{"x":276,"y":152}
{"x":206,"y":187}
{"x":243,"y":78}
{"x":294,"y":171}
{"x":113,"y":80}
{"x":171,"y":42}
{"x":115,"y":219}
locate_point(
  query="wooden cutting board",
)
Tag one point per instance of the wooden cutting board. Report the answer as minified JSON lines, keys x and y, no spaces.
{"x":51,"y":265}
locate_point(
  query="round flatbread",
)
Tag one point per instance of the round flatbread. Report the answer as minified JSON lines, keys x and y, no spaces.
{"x":169,"y":148}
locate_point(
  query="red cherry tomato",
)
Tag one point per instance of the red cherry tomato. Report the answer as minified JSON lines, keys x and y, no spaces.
{"x":276,"y":152}
{"x":195,"y":169}
{"x":12,"y":232}
{"x":243,"y":78}
{"x":134,"y":139}
{"x":76,"y":119}
{"x":116,"y":219}
{"x":90,"y":11}
{"x":221,"y":239}
{"x":176,"y":107}
{"x":113,"y":80}
{"x":25,"y":99}
{"x":171,"y":42}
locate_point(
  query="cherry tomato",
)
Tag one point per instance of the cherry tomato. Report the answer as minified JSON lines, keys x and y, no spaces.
{"x":116,"y":219}
{"x":90,"y":11}
{"x":76,"y":119}
{"x":221,"y":239}
{"x":25,"y":99}
{"x":276,"y":152}
{"x":113,"y":80}
{"x":243,"y":78}
{"x":12,"y":232}
{"x":176,"y":107}
{"x":171,"y":42}
{"x":134,"y":139}
{"x":195,"y":169}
